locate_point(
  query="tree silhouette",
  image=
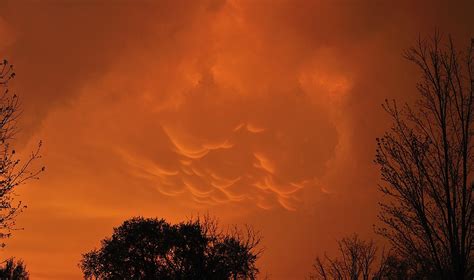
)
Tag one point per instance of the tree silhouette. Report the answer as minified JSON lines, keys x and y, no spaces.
{"x":356,"y":261}
{"x":426,"y":164}
{"x":393,"y":267}
{"x":362,"y":260}
{"x":154,"y":249}
{"x":13,"y":270}
{"x":13,"y":172}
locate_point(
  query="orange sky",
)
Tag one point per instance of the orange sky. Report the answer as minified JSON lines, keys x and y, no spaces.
{"x":257,"y":112}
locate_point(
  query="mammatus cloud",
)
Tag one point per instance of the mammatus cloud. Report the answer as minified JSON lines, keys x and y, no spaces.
{"x":231,"y":147}
{"x":261,"y":112}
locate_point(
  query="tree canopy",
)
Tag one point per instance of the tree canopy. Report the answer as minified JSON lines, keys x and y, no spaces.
{"x":145,"y":248}
{"x":14,"y":270}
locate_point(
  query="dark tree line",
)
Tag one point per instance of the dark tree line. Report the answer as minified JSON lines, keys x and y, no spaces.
{"x":155,"y":249}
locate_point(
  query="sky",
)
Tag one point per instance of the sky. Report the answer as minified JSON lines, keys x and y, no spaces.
{"x":262,"y":113}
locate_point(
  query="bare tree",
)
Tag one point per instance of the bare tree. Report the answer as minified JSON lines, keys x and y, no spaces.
{"x":13,"y":172}
{"x":356,"y":261}
{"x":426,"y":164}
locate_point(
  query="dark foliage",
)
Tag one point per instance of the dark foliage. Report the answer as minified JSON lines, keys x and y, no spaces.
{"x":154,"y":249}
{"x":13,"y":270}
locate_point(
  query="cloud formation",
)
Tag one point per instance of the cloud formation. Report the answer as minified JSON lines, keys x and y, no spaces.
{"x":257,"y":111}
